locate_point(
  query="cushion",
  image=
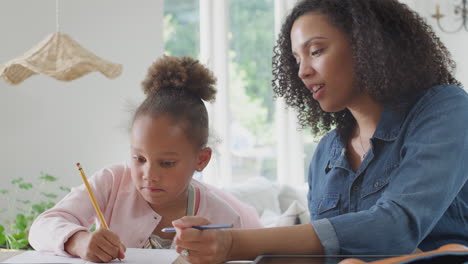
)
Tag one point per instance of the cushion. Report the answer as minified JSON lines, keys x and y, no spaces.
{"x":295,"y":214}
{"x":258,"y":192}
{"x":288,"y":194}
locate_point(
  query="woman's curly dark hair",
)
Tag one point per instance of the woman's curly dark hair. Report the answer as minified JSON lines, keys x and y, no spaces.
{"x":396,"y":56}
{"x":176,"y":86}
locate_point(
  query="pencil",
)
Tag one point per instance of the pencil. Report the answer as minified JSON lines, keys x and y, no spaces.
{"x":201,"y":227}
{"x":91,"y":195}
{"x":93,"y":199}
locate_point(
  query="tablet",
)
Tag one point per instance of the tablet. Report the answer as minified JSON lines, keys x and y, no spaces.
{"x":311,"y":259}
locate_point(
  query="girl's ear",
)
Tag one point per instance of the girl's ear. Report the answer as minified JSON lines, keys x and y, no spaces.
{"x":204,"y":157}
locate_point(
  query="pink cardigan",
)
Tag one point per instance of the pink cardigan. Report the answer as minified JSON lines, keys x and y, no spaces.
{"x":126,"y":212}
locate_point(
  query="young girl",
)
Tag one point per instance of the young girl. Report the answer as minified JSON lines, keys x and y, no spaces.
{"x":391,"y":174}
{"x":168,"y":138}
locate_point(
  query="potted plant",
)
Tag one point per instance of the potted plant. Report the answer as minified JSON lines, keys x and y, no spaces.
{"x":14,"y":232}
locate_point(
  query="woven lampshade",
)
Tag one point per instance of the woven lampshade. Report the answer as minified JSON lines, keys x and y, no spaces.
{"x":60,"y":57}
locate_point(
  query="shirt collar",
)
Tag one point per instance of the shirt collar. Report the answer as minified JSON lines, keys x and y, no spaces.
{"x":338,"y":158}
{"x":389,"y":124}
{"x":387,"y":129}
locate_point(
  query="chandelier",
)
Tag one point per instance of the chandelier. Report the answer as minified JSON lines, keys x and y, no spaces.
{"x":459,"y":10}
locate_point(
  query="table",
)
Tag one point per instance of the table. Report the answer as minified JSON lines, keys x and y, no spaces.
{"x":8,"y":253}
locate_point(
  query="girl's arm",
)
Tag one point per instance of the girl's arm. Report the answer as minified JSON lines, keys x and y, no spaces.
{"x":72,"y":214}
{"x":101,"y":245}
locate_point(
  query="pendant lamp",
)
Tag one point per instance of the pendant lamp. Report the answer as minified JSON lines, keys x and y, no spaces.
{"x":57,"y":56}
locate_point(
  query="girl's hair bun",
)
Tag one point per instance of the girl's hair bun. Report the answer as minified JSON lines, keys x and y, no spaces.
{"x":180,"y":73}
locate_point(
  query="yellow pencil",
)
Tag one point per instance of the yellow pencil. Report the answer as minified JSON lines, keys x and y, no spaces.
{"x":91,"y":195}
{"x":93,"y":200}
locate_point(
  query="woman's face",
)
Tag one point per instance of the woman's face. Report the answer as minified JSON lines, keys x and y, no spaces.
{"x":323,"y":54}
{"x":163,"y":161}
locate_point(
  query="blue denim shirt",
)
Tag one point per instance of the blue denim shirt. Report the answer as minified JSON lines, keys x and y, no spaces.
{"x":410,"y":191}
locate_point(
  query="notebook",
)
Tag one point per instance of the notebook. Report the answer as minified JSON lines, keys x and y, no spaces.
{"x":132,"y":256}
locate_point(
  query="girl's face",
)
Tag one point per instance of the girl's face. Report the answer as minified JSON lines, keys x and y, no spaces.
{"x":324,"y":56}
{"x":163,"y":161}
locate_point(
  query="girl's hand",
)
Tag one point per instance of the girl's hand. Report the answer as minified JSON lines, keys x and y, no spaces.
{"x":203,"y":246}
{"x":101,"y":245}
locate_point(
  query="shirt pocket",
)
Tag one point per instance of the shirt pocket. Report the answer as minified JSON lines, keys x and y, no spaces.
{"x":376,"y":185}
{"x":326,"y":206}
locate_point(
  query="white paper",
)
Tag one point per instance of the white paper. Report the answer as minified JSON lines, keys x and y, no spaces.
{"x":132,"y":256}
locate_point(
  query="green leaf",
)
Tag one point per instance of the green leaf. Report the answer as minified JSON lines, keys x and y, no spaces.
{"x":21,"y":225}
{"x":2,"y":229}
{"x":19,"y":244}
{"x":22,"y":243}
{"x":47,"y":177}
{"x":14,"y":244}
{"x":25,"y":186}
{"x":20,"y":217}
{"x":38,"y":208}
{"x":20,"y":235}
{"x":21,"y":222}
{"x":3,"y":191}
{"x":49,"y":195}
{"x":17,"y":180}
{"x":2,"y":240}
{"x":65,"y":189}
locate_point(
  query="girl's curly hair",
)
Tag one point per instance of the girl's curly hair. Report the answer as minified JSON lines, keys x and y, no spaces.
{"x":176,"y":86}
{"x":396,"y":56}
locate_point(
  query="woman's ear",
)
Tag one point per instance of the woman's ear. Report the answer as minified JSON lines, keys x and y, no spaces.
{"x":204,"y":156}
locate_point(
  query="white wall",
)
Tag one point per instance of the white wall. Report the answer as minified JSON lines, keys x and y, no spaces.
{"x":456,"y":43}
{"x":49,"y":125}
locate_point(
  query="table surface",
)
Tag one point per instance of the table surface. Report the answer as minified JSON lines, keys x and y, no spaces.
{"x":6,"y":254}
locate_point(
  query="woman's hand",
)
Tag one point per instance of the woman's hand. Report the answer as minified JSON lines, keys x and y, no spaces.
{"x":101,"y":245}
{"x":203,"y":246}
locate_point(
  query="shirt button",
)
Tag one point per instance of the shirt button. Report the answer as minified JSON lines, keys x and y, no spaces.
{"x":355,"y":188}
{"x":376,"y":185}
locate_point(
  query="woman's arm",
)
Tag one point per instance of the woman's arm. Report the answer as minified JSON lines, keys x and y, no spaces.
{"x":289,"y":240}
{"x":217,"y":246}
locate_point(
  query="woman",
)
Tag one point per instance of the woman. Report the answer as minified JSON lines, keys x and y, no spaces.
{"x":391,"y":176}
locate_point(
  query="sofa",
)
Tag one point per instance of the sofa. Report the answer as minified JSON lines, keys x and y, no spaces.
{"x":276,"y":204}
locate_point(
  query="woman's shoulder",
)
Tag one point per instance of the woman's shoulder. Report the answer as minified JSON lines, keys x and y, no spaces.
{"x":450,"y":88}
{"x":440,"y":96}
{"x":447,"y":101}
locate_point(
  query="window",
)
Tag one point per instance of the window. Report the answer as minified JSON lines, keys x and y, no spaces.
{"x":252,"y":131}
{"x":235,"y":39}
{"x":181,"y":28}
